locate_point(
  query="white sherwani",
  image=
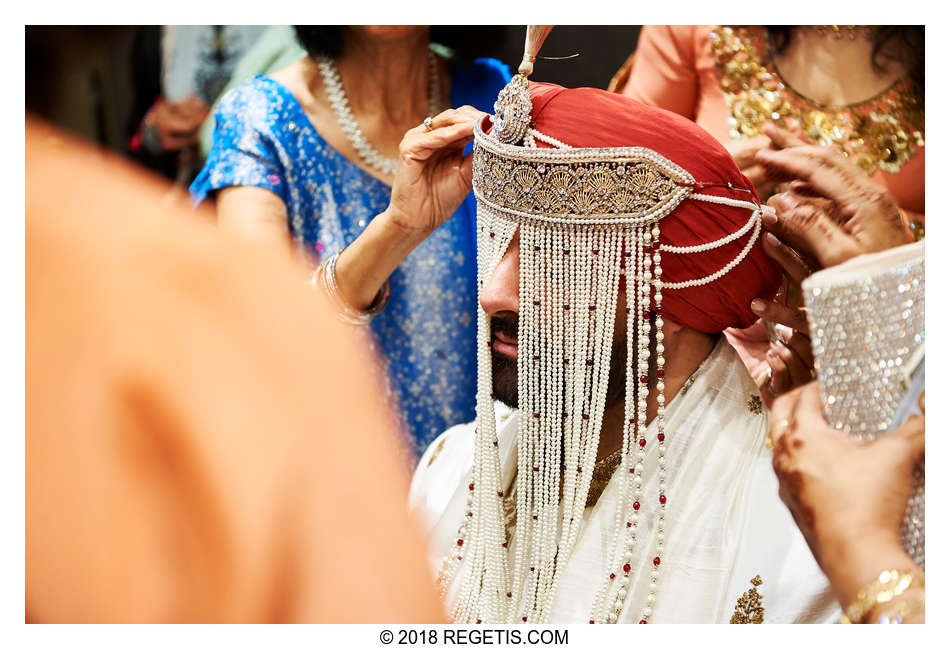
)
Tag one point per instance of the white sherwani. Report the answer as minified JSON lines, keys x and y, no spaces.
{"x":725,"y":523}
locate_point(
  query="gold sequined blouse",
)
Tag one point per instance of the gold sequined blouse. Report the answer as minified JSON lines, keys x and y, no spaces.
{"x":724,"y":79}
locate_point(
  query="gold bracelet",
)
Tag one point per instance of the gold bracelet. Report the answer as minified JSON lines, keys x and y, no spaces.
{"x":911,"y":602}
{"x":886,"y":587}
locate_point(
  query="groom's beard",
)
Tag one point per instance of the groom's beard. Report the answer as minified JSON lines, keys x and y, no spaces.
{"x":505,"y":368}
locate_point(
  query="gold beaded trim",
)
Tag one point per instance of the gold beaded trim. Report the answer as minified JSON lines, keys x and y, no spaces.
{"x":881,"y":133}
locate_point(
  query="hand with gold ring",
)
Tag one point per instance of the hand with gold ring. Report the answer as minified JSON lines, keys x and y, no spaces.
{"x":433,"y":177}
{"x":847,"y":496}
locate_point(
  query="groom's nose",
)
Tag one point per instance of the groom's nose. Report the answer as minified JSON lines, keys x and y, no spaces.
{"x":500,"y":292}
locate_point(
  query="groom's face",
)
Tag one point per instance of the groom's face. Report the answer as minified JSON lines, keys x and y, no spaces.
{"x":499,"y":299}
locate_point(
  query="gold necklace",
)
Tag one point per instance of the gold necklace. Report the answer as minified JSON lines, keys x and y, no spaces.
{"x":604,"y":470}
{"x":839,"y":32}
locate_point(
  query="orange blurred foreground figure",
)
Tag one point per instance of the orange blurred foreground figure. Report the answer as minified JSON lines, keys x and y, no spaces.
{"x":184,"y":460}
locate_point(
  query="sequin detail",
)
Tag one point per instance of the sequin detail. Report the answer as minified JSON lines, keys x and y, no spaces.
{"x":881,"y":133}
{"x":868,"y":323}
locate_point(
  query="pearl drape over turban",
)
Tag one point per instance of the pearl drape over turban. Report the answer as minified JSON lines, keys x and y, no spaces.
{"x":587,"y":117}
{"x":624,"y":209}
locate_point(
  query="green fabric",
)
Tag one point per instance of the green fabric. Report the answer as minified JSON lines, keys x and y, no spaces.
{"x":276,"y":48}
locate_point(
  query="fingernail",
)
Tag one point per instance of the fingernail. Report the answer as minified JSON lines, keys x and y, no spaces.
{"x":758,"y":306}
{"x":768,"y":216}
{"x":772,"y":239}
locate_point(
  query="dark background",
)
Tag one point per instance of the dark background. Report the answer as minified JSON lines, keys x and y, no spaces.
{"x":601,"y":49}
{"x":98,"y":81}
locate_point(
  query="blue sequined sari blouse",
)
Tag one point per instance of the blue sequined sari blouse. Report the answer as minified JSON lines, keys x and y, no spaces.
{"x":263,"y":138}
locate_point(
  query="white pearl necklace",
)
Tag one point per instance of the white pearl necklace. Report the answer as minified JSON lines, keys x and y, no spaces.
{"x":344,"y":115}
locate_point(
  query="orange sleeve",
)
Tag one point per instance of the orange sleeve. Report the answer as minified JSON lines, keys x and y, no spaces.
{"x":664,"y":70}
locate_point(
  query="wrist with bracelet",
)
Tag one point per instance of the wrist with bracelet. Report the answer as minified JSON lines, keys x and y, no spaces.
{"x":325,"y":278}
{"x":889,"y":585}
{"x":910,"y":603}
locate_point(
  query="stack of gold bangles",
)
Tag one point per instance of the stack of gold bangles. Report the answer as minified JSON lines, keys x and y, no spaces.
{"x":889,"y":585}
{"x":325,"y":277}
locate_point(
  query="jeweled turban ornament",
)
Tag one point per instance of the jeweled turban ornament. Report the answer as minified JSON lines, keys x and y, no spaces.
{"x":588,"y":217}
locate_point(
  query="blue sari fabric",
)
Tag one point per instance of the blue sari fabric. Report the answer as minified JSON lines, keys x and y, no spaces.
{"x":263,"y":138}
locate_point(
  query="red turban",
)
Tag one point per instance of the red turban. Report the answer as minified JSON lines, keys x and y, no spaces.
{"x":587,"y":118}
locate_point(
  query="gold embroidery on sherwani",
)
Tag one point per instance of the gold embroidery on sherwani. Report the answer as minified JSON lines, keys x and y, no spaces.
{"x":755,"y":404}
{"x":435,"y":453}
{"x":749,"y":609}
{"x":603,"y":472}
{"x":880,"y":133}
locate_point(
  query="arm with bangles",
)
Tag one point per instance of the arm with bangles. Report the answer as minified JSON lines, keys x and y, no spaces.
{"x":848,"y":498}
